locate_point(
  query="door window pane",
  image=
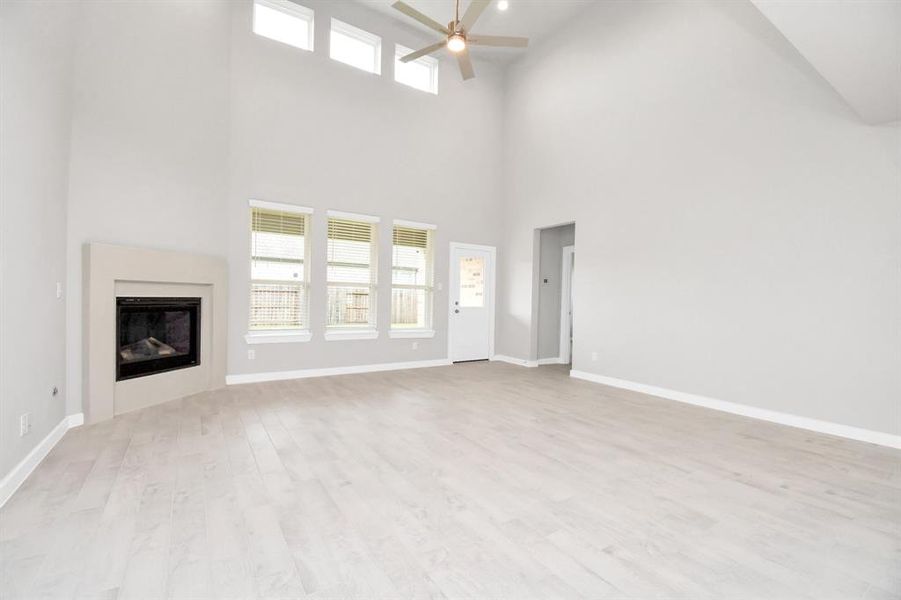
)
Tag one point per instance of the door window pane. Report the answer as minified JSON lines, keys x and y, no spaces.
{"x":472,"y":282}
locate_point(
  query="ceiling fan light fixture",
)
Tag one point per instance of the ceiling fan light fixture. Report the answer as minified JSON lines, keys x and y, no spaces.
{"x":456,"y":35}
{"x":456,"y":43}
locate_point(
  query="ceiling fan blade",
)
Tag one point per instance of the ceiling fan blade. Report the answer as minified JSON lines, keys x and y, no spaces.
{"x":420,"y":53}
{"x":501,"y":41}
{"x":424,"y":19}
{"x":473,"y":12}
{"x":465,"y":65}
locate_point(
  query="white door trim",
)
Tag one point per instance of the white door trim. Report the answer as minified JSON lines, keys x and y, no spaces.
{"x":566,"y":284}
{"x":492,"y":287}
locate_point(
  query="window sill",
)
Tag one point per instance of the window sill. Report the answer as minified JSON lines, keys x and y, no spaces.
{"x":278,"y":336}
{"x":402,"y":334}
{"x":351,"y":334}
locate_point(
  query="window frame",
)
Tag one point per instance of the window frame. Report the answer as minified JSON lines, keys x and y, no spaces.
{"x":430,"y":61}
{"x":428,"y":330}
{"x":355,"y":331}
{"x":361,"y":35}
{"x":292,"y":9}
{"x":283,"y":334}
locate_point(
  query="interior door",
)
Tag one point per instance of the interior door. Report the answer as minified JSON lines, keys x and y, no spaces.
{"x":472,"y":271}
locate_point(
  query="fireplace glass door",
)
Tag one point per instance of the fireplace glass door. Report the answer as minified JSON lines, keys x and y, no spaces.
{"x":155,"y":335}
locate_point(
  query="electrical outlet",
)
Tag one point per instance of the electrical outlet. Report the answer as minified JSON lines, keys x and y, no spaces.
{"x":416,"y":345}
{"x":24,"y":424}
{"x":594,"y":356}
{"x":251,"y":354}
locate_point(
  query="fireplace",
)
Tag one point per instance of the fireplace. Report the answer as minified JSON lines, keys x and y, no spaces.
{"x":155,"y":335}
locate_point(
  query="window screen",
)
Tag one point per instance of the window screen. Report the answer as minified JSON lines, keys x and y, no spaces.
{"x":278,"y":269}
{"x":351,"y":273}
{"x":411,"y":278}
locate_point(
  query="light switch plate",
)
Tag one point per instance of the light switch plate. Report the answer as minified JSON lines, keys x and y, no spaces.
{"x":24,"y":424}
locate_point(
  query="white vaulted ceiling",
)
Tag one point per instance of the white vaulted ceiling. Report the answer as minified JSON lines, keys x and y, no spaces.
{"x":854,"y":44}
{"x":529,"y":18}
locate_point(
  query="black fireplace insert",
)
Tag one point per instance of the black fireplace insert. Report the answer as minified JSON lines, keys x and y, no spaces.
{"x":154,"y":335}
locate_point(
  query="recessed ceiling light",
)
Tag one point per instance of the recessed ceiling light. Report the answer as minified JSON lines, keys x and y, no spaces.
{"x":503,"y":4}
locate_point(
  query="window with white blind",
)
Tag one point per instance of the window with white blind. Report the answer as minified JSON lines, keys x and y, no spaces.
{"x":351,"y":276}
{"x":412,"y":265}
{"x":284,"y":21}
{"x":279,"y":273}
{"x":355,"y":47}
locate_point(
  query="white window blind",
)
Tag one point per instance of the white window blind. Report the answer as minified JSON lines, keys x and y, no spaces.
{"x":279,"y":252}
{"x":411,"y":278}
{"x":351,"y":273}
{"x":284,"y":21}
{"x":355,"y":47}
{"x":421,"y":73}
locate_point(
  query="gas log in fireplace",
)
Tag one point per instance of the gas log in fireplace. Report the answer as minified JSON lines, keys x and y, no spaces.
{"x":154,"y":335}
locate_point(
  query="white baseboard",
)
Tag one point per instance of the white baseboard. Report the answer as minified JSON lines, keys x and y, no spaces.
{"x":845,"y":431}
{"x":527,"y":363}
{"x":307,"y":373}
{"x":551,"y":361}
{"x":515,"y":361}
{"x":17,"y":476}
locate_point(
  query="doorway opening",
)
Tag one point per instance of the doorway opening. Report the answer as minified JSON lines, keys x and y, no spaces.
{"x":553,"y":314}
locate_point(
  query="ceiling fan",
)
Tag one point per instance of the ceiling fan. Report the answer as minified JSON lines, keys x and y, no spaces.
{"x":457,"y":36}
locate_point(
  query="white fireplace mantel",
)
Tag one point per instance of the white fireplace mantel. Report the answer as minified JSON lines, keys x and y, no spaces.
{"x":111,"y":270}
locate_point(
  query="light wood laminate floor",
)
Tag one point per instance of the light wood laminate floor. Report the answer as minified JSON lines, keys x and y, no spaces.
{"x":472,"y":481}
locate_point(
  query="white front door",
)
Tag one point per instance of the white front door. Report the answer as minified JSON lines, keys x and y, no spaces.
{"x":471,"y":302}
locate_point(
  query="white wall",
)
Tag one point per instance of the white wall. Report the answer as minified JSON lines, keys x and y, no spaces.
{"x":36,"y":42}
{"x":550,"y":276}
{"x":182,"y":114}
{"x":739,"y":225}
{"x":743,"y":222}
{"x":149,"y":137}
{"x":311,"y":131}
